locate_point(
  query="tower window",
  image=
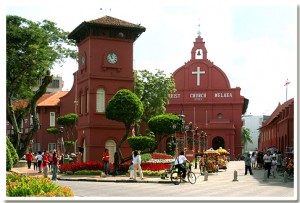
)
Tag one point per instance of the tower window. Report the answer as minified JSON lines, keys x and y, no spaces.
{"x":100,"y":100}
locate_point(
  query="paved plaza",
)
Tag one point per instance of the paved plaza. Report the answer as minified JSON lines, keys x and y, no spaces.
{"x":218,"y":185}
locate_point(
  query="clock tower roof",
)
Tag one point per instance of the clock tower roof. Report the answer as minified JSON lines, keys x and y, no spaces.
{"x":99,"y":27}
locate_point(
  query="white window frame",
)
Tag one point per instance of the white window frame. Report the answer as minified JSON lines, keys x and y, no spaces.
{"x":52,"y":119}
{"x":100,"y":100}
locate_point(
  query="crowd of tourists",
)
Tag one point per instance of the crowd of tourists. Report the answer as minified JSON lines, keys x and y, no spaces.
{"x":43,"y":162}
{"x":273,"y":162}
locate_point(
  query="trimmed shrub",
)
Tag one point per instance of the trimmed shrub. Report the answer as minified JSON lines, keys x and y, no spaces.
{"x":141,"y":142}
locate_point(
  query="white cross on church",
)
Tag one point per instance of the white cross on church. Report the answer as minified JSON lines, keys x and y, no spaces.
{"x":198,"y":73}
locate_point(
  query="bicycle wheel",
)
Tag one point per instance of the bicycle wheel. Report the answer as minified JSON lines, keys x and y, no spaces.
{"x":175,"y":178}
{"x":191,"y":177}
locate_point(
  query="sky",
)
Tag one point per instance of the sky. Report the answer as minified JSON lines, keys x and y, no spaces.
{"x":255,"y":44}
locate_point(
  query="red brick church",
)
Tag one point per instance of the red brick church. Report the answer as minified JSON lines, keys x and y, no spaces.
{"x":105,"y":52}
{"x":205,"y":98}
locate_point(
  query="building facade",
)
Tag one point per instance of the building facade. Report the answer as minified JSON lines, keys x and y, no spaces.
{"x":278,"y":130}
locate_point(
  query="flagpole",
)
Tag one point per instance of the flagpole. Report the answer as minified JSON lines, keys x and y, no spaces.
{"x":286,"y":88}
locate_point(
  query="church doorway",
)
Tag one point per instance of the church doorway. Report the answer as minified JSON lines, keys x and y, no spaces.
{"x":218,"y":142}
{"x":111,"y":146}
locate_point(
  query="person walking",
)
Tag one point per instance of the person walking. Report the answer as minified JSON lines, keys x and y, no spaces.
{"x":50,"y":159}
{"x":29,"y":157}
{"x":40,"y":160}
{"x":105,"y":159}
{"x":45,"y":163}
{"x":34,"y":161}
{"x":253,"y":160}
{"x":248,"y":164}
{"x":137,"y":160}
{"x":274,"y":166}
{"x":54,"y":166}
{"x":267,"y":162}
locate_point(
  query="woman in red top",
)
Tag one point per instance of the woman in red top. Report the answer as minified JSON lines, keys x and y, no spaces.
{"x":54,"y":167}
{"x":105,"y":159}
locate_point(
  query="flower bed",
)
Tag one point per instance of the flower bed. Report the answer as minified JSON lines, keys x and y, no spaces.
{"x":27,"y":186}
{"x":156,"y":163}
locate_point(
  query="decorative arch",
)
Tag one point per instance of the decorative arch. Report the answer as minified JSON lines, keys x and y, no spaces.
{"x":218,"y":142}
{"x":111,"y":146}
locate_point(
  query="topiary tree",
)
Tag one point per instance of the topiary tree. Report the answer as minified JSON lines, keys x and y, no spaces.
{"x":164,"y":125}
{"x":68,"y":122}
{"x":141,"y":142}
{"x":124,"y":107}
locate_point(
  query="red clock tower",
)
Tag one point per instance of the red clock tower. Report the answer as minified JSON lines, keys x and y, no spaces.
{"x":105,"y":52}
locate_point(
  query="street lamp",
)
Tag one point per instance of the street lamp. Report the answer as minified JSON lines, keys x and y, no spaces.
{"x":203,"y":140}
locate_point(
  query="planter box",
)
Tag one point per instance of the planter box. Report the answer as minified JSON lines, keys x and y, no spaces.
{"x":21,"y":163}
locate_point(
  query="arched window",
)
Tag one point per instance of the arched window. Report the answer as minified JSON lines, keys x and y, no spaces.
{"x":100,"y":100}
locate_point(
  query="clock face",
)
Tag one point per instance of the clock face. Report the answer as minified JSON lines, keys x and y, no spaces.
{"x":112,"y":58}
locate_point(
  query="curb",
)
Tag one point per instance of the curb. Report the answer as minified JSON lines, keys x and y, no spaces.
{"x":116,"y":181}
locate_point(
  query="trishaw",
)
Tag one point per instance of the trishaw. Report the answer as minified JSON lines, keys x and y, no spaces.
{"x":222,"y":158}
{"x":209,"y":161}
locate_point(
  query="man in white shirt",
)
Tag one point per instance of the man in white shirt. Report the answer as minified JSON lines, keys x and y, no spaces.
{"x":267,"y":162}
{"x":179,"y":163}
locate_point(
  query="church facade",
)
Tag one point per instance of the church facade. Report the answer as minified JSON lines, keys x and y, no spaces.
{"x":206,"y":100}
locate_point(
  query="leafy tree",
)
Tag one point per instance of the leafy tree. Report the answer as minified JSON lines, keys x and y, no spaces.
{"x":153,"y":90}
{"x":246,"y":137}
{"x":124,"y":107}
{"x":164,"y":126}
{"x":33,"y":48}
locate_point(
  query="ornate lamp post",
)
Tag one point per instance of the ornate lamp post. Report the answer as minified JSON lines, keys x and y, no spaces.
{"x":203,"y":141}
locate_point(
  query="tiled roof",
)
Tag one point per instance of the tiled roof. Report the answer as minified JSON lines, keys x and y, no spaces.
{"x":52,"y":99}
{"x":22,"y":104}
{"x":277,"y":111}
{"x":108,"y":20}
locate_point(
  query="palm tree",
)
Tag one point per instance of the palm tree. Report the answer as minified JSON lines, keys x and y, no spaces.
{"x":246,"y":137}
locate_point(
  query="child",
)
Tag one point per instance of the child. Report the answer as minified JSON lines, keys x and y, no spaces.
{"x":274,"y":166}
{"x":131,"y":169}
